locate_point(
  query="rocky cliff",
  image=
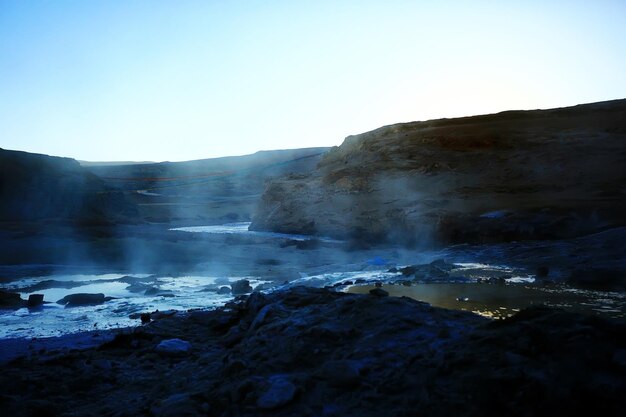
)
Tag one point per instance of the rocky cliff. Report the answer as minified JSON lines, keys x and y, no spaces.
{"x":38,"y":187}
{"x":513,"y":175}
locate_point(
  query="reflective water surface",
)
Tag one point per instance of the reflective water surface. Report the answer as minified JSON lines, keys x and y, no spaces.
{"x":504,"y":300}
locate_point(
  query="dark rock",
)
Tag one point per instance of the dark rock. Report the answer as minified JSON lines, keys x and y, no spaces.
{"x":145,"y":318}
{"x":35,"y":300}
{"x":408,"y":270}
{"x":158,"y":315}
{"x":241,"y":287}
{"x":342,"y":373}
{"x":82,"y":299}
{"x":308,"y":244}
{"x":393,"y":270}
{"x":279,"y":392}
{"x":177,"y":405}
{"x":542,"y":272}
{"x":379,"y":292}
{"x":287,"y":243}
{"x":270,"y":262}
{"x":442,"y":265}
{"x":10,"y":300}
{"x":173,"y":347}
{"x":223,"y":290}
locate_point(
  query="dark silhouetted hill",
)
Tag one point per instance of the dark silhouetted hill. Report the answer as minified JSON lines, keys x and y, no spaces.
{"x":37,"y":187}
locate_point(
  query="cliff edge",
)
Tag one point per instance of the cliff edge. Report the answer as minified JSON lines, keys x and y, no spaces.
{"x":540,"y":174}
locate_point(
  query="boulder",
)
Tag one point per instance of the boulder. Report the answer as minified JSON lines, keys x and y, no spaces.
{"x":379,"y":292}
{"x":82,"y":299}
{"x":173,"y":347}
{"x":241,"y":287}
{"x":35,"y":300}
{"x":279,"y":392}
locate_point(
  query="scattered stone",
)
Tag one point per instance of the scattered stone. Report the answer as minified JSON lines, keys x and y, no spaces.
{"x":342,"y":373}
{"x":177,"y":405}
{"x":542,"y":272}
{"x":145,"y":318}
{"x":173,"y":347}
{"x":158,"y":315}
{"x":35,"y":300}
{"x":379,"y":292}
{"x":82,"y":299}
{"x":241,"y":287}
{"x":280,"y":392}
{"x":223,"y":290}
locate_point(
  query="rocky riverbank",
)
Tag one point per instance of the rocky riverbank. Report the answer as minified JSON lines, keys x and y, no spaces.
{"x":317,"y":352}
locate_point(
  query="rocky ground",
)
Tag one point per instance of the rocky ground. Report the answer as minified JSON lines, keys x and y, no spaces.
{"x":321,"y":353}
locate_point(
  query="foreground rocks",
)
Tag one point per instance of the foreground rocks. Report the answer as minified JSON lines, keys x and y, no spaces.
{"x":320,"y":353}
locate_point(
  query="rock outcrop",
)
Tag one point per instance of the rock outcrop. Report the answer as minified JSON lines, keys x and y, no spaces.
{"x":514,"y":175}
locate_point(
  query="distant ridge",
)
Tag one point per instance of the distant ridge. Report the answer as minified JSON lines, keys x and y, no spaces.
{"x":112,"y":163}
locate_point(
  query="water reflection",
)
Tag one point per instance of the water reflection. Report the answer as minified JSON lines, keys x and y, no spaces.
{"x":500,"y":301}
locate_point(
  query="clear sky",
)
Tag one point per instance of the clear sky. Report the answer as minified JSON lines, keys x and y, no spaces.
{"x":179,"y":80}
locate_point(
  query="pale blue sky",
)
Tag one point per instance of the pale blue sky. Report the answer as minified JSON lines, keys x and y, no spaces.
{"x":179,"y":80}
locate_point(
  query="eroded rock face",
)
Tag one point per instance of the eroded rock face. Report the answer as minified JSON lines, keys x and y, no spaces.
{"x":509,"y":176}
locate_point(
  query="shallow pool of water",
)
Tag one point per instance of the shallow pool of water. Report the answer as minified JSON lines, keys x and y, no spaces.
{"x":241,"y":228}
{"x":500,"y":301}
